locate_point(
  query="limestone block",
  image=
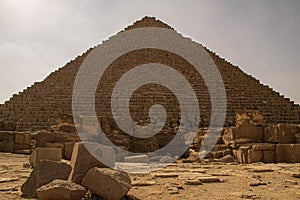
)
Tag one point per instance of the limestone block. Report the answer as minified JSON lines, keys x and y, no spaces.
{"x":243,"y":134}
{"x":263,"y":146}
{"x":68,"y":149}
{"x":22,"y":138}
{"x":269,"y":156}
{"x":254,"y":156}
{"x":6,"y":146}
{"x":44,"y":153}
{"x":45,"y":172}
{"x":289,"y":153}
{"x":107,"y":183}
{"x":87,"y":155}
{"x":281,"y":133}
{"x":62,"y":190}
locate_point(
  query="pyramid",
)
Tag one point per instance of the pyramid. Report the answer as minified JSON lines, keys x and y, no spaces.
{"x":41,"y":105}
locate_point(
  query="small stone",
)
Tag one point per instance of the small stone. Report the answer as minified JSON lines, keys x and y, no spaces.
{"x":62,"y":190}
{"x":250,"y":196}
{"x":209,"y":179}
{"x":290,"y":182}
{"x":296,"y":175}
{"x":259,"y":183}
{"x":107,"y":183}
{"x":173,"y":190}
{"x":166,"y":175}
{"x":261,"y":170}
{"x":193,"y":182}
{"x":142,"y":184}
{"x":227,"y":159}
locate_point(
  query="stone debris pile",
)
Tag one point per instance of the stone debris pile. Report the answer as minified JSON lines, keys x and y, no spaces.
{"x":52,"y":179}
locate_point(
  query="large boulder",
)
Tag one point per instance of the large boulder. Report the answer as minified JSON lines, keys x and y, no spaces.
{"x":87,"y":155}
{"x":45,"y":172}
{"x":62,"y":190}
{"x":107,"y":183}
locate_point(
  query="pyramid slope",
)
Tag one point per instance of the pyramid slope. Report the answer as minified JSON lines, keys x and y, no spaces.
{"x":40,"y":106}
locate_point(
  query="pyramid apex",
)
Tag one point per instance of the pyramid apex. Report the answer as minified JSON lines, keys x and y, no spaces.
{"x":148,"y":21}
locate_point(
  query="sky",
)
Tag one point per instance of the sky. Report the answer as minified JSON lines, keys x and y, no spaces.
{"x":261,"y":37}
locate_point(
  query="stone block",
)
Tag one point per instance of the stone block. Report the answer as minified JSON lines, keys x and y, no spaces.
{"x":68,"y":149}
{"x":6,"y":146}
{"x":87,"y":155}
{"x":289,"y":153}
{"x":45,"y":153}
{"x":22,"y":147}
{"x":243,"y":134}
{"x":7,"y":136}
{"x":62,"y":190}
{"x":242,"y":156}
{"x":281,"y":133}
{"x":255,"y":133}
{"x":263,"y":146}
{"x":22,"y":138}
{"x":254,"y":156}
{"x":107,"y":183}
{"x":269,"y":156}
{"x":45,"y":172}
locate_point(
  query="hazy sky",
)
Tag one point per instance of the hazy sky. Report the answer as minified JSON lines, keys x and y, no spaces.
{"x":39,"y":36}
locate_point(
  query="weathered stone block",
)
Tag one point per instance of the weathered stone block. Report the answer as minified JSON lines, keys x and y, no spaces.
{"x":22,"y":147}
{"x":281,"y":133}
{"x":44,"y":153}
{"x":6,"y":146}
{"x":7,"y":136}
{"x":87,"y":155}
{"x":62,"y":190}
{"x":242,"y":156}
{"x":243,"y":134}
{"x":289,"y":153}
{"x":263,"y":146}
{"x":107,"y":183}
{"x":269,"y":156}
{"x":254,"y":156}
{"x":22,"y":138}
{"x":45,"y":172}
{"x":68,"y":149}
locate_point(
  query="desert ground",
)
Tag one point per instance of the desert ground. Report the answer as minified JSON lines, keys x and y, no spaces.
{"x":181,"y":180}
